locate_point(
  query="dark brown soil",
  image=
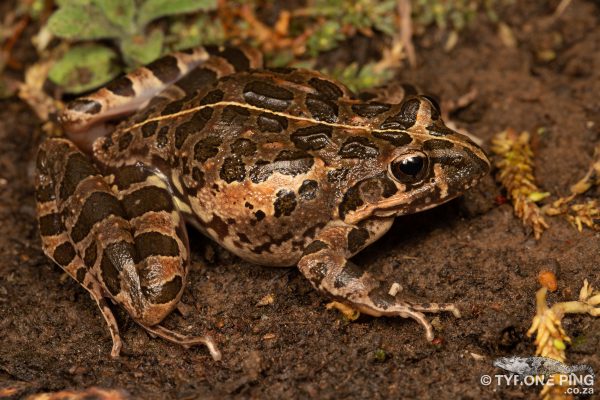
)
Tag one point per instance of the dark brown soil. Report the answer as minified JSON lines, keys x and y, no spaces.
{"x":472,"y":251}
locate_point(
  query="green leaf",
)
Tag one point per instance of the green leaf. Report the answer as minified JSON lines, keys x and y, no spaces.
{"x":82,"y":23}
{"x":139,"y":50}
{"x":185,"y":33}
{"x":326,"y":37}
{"x":84,"y":68}
{"x":119,"y":12}
{"x":153,"y":9}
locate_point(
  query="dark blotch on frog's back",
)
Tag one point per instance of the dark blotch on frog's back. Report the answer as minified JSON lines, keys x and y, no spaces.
{"x":313,"y":137}
{"x":173,"y":107}
{"x":287,"y":162}
{"x":358,"y":147}
{"x":206,"y":148}
{"x":437,"y":144}
{"x":370,"y":110}
{"x":234,"y":116}
{"x":322,"y":109}
{"x":162,"y":139}
{"x":265,"y":95}
{"x":405,"y":118}
{"x":194,"y":125}
{"x":198,"y":176}
{"x":326,"y":89}
{"x":149,"y":128}
{"x":268,"y":122}
{"x":397,"y":138}
{"x":214,"y":96}
{"x":437,"y":128}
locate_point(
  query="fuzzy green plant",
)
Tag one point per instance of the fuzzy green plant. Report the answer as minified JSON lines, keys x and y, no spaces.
{"x":127,"y":23}
{"x":343,"y":18}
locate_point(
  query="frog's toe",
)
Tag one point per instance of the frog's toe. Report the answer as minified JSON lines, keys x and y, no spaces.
{"x":185,"y":341}
{"x":385,"y":305}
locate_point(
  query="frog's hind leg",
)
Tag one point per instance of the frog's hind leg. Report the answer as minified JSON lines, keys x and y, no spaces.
{"x":325,"y":263}
{"x":55,"y":239}
{"x":172,"y":77}
{"x":126,"y":242}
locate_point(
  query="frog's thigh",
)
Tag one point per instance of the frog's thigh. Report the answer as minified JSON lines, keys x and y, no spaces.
{"x":83,"y":117}
{"x":325,"y":263}
{"x":133,"y":245}
{"x":169,"y":78}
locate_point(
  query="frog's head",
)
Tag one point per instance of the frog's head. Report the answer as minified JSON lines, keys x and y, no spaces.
{"x":422,"y":164}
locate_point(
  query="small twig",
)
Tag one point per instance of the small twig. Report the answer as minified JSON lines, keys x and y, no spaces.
{"x":562,"y":6}
{"x":406,"y":31}
{"x":17,"y":29}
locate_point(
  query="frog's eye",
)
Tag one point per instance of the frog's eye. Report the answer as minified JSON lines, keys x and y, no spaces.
{"x":409,"y":168}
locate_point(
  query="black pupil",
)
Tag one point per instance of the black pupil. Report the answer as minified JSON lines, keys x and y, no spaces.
{"x":411,"y":166}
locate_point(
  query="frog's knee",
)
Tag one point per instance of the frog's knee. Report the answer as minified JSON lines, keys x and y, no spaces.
{"x":153,"y":314}
{"x":159,"y":298}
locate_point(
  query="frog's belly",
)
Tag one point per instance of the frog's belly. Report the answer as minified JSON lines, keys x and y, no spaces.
{"x":274,"y":252}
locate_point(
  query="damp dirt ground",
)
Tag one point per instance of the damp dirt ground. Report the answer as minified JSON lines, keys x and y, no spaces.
{"x":472,"y":251}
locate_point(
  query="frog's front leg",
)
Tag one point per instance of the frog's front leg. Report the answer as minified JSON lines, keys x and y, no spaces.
{"x":124,"y":240}
{"x":326,"y":264}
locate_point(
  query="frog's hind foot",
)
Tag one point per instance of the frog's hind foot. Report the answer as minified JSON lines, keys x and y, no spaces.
{"x":183,"y":340}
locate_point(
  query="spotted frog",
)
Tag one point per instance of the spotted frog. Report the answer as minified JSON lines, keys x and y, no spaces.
{"x":282,"y":167}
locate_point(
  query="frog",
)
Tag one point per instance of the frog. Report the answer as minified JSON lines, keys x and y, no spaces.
{"x":280,"y":166}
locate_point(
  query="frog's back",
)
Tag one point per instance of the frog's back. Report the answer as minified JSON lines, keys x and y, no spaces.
{"x":255,"y":157}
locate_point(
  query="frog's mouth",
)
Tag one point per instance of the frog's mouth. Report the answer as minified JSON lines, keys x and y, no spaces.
{"x":399,"y":205}
{"x":410,"y":208}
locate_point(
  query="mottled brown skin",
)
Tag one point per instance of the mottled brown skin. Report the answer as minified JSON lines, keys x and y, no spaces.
{"x":281,"y":167}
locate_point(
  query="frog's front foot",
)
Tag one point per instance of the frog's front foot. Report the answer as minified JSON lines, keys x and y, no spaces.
{"x":382,"y":304}
{"x":325,"y":263}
